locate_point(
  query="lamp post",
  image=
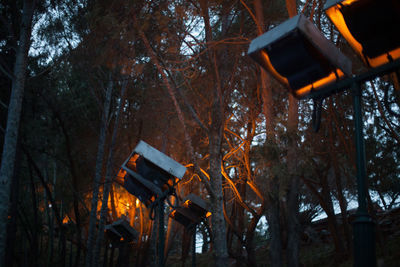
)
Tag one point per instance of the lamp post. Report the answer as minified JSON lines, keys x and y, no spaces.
{"x":317,"y":82}
{"x":150,"y":175}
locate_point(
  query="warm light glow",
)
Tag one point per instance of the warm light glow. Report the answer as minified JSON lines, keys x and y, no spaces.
{"x":132,"y":161}
{"x":336,"y":16}
{"x":173,"y":181}
{"x":173,"y":213}
{"x":186,"y":203}
{"x":320,"y":83}
{"x":137,"y":203}
{"x":382,"y":59}
{"x":273,"y":70}
{"x":208,"y":214}
{"x":120,"y":176}
{"x":66,"y":219}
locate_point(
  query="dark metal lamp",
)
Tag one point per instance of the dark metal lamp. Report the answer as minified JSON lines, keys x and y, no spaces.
{"x":191,"y":212}
{"x":371,"y":27}
{"x":299,"y":56}
{"x":121,"y":230}
{"x":147,"y":173}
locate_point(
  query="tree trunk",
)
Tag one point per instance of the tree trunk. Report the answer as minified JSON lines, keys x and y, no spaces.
{"x":273,"y":216}
{"x":294,"y":184}
{"x":292,"y":215}
{"x":13,"y":214}
{"x":169,"y":235}
{"x":341,"y":198}
{"x":273,"y":211}
{"x":35,"y":242}
{"x":108,"y":180}
{"x":218,"y":222}
{"x":332,"y":223}
{"x":220,"y":250}
{"x":54,"y":206}
{"x":97,"y":178}
{"x":13,"y":120}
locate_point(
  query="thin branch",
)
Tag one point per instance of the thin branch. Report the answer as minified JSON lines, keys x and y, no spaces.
{"x":187,"y":104}
{"x":259,"y":28}
{"x":3,"y":104}
{"x":392,"y":131}
{"x":238,"y":197}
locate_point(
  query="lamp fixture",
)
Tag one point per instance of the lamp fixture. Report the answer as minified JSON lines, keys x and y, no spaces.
{"x":147,"y":173}
{"x":371,"y":27}
{"x":299,"y":56}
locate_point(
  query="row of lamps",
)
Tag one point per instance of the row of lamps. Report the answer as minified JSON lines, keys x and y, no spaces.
{"x":151,"y":176}
{"x":311,"y":67}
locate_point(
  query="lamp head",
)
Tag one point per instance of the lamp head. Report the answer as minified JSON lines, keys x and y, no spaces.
{"x":196,"y":204}
{"x":371,"y":27}
{"x":144,"y":193}
{"x":184,"y":216}
{"x":147,"y":173}
{"x":154,"y":165}
{"x":121,"y":230}
{"x":191,"y":212}
{"x":299,"y":56}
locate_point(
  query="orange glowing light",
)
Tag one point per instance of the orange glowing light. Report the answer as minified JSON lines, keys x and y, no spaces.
{"x":120,"y":176}
{"x":208,"y":214}
{"x":382,"y":59}
{"x":132,"y":161}
{"x":336,"y":16}
{"x":273,"y":70}
{"x":66,"y":219}
{"x":318,"y":84}
{"x":137,"y":203}
{"x":186,"y":203}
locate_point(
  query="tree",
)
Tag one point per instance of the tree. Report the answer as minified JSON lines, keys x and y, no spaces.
{"x":7,"y":169}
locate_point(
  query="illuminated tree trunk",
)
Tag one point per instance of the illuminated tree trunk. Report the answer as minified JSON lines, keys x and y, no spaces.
{"x":13,"y":119}
{"x":97,"y":178}
{"x":220,"y":250}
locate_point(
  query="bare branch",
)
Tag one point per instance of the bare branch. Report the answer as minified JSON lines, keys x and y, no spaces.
{"x":393,"y":133}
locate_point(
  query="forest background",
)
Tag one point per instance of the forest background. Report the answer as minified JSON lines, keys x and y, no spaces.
{"x":82,"y":81}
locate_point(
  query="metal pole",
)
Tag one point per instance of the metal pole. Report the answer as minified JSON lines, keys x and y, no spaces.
{"x":161,"y":233}
{"x":363,"y":225}
{"x":194,"y":247}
